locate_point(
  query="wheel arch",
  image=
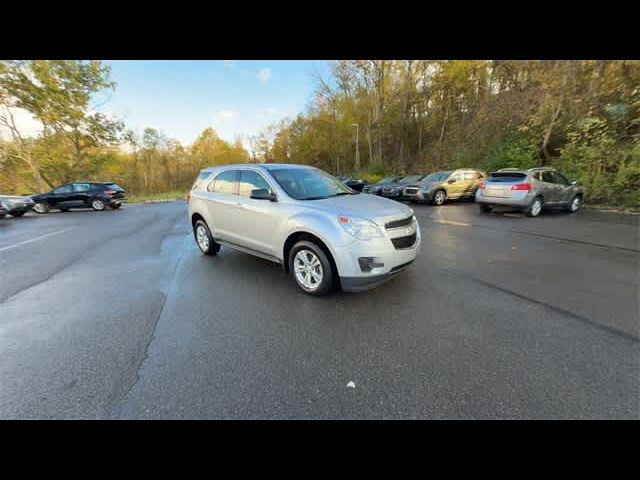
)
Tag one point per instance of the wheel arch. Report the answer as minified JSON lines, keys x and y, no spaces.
{"x":299,"y":235}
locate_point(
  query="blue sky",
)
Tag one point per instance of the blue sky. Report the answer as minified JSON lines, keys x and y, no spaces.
{"x":235,"y":97}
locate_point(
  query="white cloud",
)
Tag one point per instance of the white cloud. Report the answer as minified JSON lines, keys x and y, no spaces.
{"x":225,"y":115}
{"x":229,"y":64}
{"x":26,"y":124}
{"x":264,"y":74}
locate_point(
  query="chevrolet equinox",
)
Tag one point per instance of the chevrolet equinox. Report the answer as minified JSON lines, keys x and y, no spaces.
{"x":323,"y":233}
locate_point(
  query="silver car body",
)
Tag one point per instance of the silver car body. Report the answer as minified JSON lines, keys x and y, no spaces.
{"x":501,"y":188}
{"x":262,"y":227}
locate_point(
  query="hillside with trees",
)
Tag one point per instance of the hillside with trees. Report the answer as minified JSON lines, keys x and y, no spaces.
{"x":582,"y":117}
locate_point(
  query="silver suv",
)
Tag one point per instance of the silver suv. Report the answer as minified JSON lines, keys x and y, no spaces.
{"x":322,"y":232}
{"x":529,"y":190}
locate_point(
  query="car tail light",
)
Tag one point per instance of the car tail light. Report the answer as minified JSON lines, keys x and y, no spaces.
{"x":521,"y":186}
{"x":188,"y":197}
{"x":482,"y":185}
{"x":110,"y":192}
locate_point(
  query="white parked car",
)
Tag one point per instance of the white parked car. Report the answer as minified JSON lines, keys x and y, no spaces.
{"x":322,"y":232}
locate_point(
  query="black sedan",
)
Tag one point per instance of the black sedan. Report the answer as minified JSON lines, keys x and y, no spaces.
{"x":96,"y":195}
{"x":354,"y":183}
{"x":15,"y":206}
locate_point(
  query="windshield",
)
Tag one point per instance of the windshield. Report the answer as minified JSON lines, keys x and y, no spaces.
{"x":410,"y":178}
{"x":309,"y":183}
{"x":437,"y":177}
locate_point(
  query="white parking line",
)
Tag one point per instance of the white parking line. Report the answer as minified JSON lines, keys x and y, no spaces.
{"x":34,"y":239}
{"x":450,"y":222}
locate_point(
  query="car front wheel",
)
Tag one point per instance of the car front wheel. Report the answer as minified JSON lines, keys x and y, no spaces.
{"x":439,"y":197}
{"x":310,"y":268}
{"x":41,"y":207}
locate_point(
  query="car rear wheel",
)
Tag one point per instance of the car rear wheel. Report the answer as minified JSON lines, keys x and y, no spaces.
{"x":204,"y":239}
{"x":310,"y":268}
{"x":485,"y":208}
{"x":439,"y":197}
{"x":97,"y":204}
{"x":535,"y":208}
{"x":41,"y":207}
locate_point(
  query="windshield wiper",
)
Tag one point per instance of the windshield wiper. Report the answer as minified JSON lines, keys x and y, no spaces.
{"x":313,"y":198}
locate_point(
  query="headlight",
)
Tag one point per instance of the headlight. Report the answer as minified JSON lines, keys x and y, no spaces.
{"x":359,"y":228}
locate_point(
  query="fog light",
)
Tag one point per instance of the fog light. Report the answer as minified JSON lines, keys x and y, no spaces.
{"x":369,"y":263}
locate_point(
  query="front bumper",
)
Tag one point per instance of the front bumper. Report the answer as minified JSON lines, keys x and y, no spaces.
{"x":395,"y":260}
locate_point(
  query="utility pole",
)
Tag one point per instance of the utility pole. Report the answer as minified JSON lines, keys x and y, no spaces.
{"x":357,"y":145}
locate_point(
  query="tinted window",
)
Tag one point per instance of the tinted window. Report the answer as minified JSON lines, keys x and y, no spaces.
{"x":250,"y":180}
{"x":114,"y":186}
{"x":548,"y":177}
{"x":82,"y":187}
{"x":224,"y":183}
{"x":309,"y":183}
{"x":507,"y":177}
{"x":557,"y":178}
{"x":63,"y":189}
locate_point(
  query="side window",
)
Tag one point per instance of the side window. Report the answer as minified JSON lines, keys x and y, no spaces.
{"x":457,"y":176}
{"x":250,"y":180}
{"x":224,"y":183}
{"x":472,"y":175}
{"x":547,"y":177}
{"x":557,"y":178}
{"x":537,"y":176}
{"x":63,"y":189}
{"x":81,"y":187}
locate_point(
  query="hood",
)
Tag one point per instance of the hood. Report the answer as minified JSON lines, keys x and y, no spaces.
{"x":370,"y":207}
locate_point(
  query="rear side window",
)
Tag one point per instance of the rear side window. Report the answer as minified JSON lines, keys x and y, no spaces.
{"x":81,"y":187}
{"x":224,"y":183}
{"x":548,"y":177}
{"x":472,"y":175}
{"x":250,"y":180}
{"x":507,"y":177}
{"x":114,"y":186}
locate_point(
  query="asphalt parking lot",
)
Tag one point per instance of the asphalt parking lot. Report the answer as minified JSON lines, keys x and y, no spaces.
{"x":116,"y":314}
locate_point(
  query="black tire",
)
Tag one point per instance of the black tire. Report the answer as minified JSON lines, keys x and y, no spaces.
{"x":208,"y":247}
{"x":574,"y":205}
{"x":439,"y":197}
{"x":484,"y":208}
{"x":533,"y":210}
{"x":64,"y":209}
{"x":116,"y":206}
{"x":17,"y":214}
{"x":327,"y":282}
{"x":97,"y":204}
{"x":41,"y":207}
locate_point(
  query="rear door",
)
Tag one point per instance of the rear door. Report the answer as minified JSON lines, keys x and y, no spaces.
{"x":223,"y":205}
{"x":80,"y":196}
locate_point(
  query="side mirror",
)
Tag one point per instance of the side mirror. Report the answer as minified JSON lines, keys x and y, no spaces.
{"x":573,"y":183}
{"x":451,"y":180}
{"x":263,"y":194}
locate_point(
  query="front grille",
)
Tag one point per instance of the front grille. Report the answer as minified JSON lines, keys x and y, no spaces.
{"x":411,"y":191}
{"x":399,"y":223}
{"x":404,"y":242}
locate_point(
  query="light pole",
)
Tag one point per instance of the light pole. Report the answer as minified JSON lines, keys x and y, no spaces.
{"x":357,"y":146}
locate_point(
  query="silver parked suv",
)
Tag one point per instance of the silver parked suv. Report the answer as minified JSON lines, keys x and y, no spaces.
{"x":529,"y":190}
{"x":321,"y":231}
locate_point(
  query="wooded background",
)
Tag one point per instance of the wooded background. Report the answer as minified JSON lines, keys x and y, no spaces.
{"x":580,"y":116}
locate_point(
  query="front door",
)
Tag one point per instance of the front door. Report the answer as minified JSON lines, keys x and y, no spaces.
{"x":456,"y":188}
{"x":61,"y":197}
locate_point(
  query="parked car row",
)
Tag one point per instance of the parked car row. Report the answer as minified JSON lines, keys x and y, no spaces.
{"x":529,"y":190}
{"x":88,"y":194}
